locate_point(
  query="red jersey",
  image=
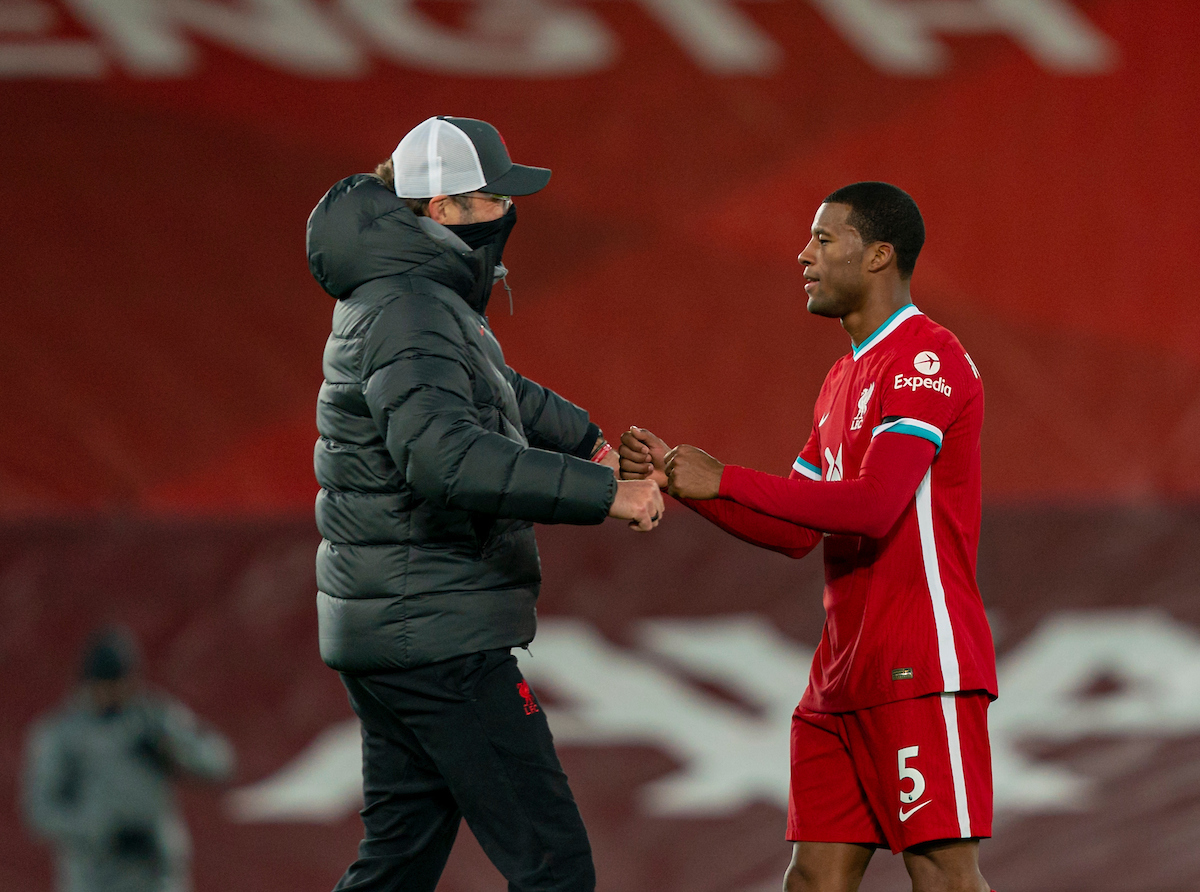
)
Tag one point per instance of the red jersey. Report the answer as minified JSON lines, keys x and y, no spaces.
{"x":903,"y":613}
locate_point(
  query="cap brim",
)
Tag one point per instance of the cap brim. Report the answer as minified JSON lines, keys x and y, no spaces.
{"x":519,"y":180}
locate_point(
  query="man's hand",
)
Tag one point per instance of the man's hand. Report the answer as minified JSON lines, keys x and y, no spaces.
{"x":643,"y":456}
{"x":613,"y":462}
{"x":638,"y":501}
{"x":692,"y":473}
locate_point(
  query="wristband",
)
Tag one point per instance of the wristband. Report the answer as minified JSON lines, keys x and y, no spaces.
{"x":603,"y":451}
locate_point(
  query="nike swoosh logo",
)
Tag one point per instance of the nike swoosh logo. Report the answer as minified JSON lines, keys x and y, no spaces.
{"x":905,"y":815}
{"x":822,"y":421}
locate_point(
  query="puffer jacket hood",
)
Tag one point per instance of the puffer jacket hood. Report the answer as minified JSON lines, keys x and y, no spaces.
{"x":360,"y":231}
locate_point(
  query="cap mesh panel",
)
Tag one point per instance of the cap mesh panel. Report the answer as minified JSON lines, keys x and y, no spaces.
{"x":436,"y":158}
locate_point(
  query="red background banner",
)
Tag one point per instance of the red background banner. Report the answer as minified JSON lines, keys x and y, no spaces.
{"x":161,"y":340}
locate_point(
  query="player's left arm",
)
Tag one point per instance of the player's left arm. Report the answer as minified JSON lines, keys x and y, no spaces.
{"x":643,"y":457}
{"x":920,"y":397}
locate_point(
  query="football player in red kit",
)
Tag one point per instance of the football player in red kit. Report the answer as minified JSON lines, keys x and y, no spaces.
{"x":889,"y":743}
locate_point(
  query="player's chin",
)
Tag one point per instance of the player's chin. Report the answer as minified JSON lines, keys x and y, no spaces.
{"x":820,"y":306}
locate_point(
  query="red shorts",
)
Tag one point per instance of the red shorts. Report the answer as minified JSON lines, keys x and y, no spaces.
{"x":896,"y":775}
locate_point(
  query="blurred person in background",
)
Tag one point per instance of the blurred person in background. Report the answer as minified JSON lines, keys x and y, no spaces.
{"x":889,"y":741}
{"x":99,"y":775}
{"x":435,"y":460}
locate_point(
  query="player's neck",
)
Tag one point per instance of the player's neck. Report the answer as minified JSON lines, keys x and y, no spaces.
{"x":876,"y":310}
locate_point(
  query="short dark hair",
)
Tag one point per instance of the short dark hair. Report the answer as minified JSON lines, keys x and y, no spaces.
{"x":882,"y":212}
{"x":419,"y":206}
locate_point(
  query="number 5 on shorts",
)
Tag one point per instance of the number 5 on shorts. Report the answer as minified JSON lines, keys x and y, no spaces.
{"x":906,"y":773}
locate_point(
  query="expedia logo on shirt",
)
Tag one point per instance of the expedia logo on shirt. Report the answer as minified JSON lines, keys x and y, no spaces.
{"x":927,"y":363}
{"x":919,"y":383}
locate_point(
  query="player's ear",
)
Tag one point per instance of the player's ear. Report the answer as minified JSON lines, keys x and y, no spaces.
{"x":879,"y":255}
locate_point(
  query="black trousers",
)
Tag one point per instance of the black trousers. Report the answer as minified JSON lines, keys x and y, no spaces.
{"x":464,"y":738}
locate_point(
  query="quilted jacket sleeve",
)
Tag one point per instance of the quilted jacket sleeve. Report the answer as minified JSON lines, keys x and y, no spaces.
{"x":418,"y":389}
{"x":552,"y":422}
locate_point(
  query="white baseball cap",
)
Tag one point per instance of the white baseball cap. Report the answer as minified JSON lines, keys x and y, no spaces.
{"x":450,"y":156}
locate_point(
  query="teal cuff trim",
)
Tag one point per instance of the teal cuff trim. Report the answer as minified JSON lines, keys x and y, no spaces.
{"x":810,"y":471}
{"x":924,"y":431}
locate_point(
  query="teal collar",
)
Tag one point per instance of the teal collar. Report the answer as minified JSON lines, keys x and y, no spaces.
{"x":893,"y":322}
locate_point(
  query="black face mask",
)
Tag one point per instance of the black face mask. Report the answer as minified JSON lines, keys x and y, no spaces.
{"x":487,"y":242}
{"x":492,"y":234}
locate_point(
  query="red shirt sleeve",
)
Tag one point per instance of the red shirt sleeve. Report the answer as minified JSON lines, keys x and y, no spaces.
{"x":756,"y":528}
{"x":924,"y":391}
{"x":868,"y":505}
{"x":808,"y":462}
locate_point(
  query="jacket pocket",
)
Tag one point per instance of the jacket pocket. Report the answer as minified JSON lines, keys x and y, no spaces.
{"x":483,"y":525}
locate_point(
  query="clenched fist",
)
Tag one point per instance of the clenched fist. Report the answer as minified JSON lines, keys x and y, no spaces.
{"x":638,"y":501}
{"x":642,"y":456}
{"x":692,"y":473}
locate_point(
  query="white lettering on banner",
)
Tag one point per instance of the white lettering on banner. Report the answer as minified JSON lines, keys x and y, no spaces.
{"x":719,"y":36}
{"x":504,"y":37}
{"x":322,"y":785}
{"x":904,"y":383}
{"x":293,"y":35}
{"x":729,"y":756}
{"x":733,"y":758}
{"x":528,"y":38}
{"x":614,"y":697}
{"x":43,"y":57}
{"x":898,"y":36}
{"x":27,"y":17}
{"x":1155,"y":659}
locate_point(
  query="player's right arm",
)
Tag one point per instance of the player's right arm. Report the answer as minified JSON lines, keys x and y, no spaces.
{"x":755,"y":527}
{"x":642,"y":455}
{"x":868,"y":505}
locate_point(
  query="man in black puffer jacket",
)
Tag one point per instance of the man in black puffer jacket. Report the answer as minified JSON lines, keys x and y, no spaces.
{"x":435,"y":459}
